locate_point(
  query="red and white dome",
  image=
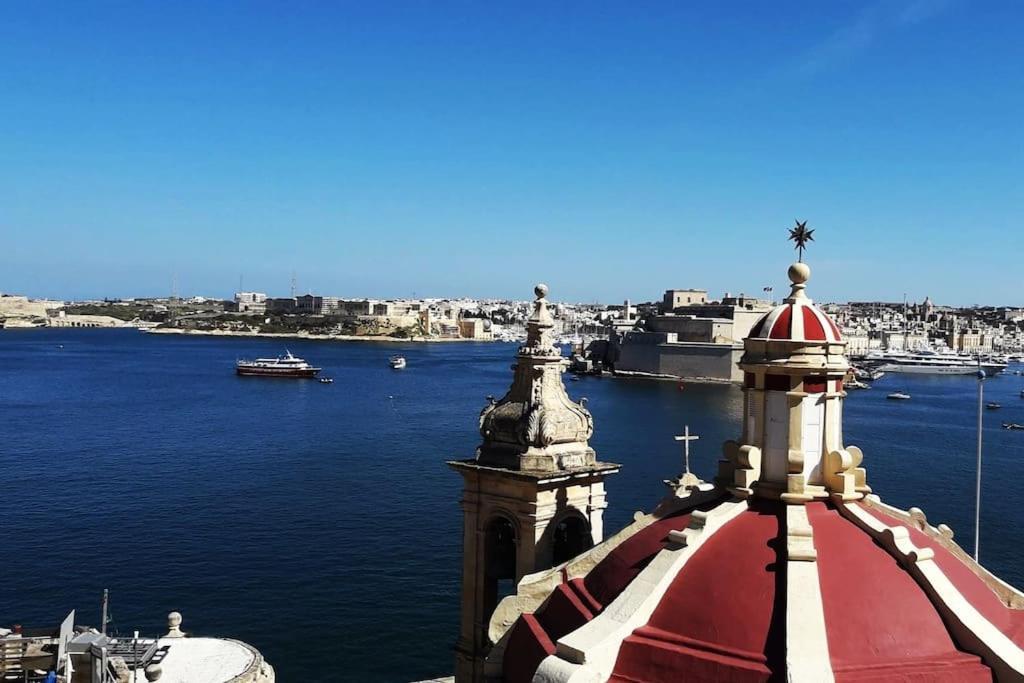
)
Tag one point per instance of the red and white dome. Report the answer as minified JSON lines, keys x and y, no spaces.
{"x":799,"y":321}
{"x":797,"y":318}
{"x":712,"y":589}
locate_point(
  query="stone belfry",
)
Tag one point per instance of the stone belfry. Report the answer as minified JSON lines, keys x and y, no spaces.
{"x":533,"y":497}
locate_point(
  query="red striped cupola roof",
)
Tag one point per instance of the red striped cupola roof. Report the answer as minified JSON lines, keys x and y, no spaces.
{"x":797,"y":319}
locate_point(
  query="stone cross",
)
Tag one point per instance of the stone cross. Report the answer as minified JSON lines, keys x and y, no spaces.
{"x":686,"y":438}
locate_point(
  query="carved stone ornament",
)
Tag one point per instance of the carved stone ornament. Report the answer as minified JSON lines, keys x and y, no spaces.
{"x":536,"y":426}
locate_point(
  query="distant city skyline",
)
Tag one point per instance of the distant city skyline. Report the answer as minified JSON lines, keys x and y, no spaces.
{"x":473,"y":150}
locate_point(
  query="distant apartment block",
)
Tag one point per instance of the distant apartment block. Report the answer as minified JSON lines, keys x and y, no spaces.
{"x":677,"y":298}
{"x":281,"y":305}
{"x":250,"y":302}
{"x":309,"y":304}
{"x":475,"y":328}
{"x":966,"y":340}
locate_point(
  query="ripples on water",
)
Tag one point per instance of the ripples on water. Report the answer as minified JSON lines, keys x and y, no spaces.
{"x":319,"y":522}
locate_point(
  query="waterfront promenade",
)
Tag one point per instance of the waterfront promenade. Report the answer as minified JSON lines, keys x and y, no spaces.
{"x":308,"y":336}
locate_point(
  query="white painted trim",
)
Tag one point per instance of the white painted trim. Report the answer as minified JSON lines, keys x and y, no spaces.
{"x":589,"y":652}
{"x":773,"y":316}
{"x":943,"y":535}
{"x":972,"y":631}
{"x":807,"y":657}
{"x":796,"y":323}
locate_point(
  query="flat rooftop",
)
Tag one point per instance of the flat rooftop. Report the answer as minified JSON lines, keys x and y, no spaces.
{"x":208,"y":660}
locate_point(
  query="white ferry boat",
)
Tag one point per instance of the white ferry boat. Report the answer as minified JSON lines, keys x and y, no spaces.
{"x":283,"y":366}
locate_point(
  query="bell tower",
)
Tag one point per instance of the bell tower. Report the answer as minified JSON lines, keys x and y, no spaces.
{"x":533,"y":497}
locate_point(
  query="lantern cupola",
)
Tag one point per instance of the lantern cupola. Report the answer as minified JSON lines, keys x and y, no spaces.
{"x":792,"y":445}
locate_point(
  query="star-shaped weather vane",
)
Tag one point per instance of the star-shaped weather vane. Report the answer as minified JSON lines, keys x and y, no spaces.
{"x":801,"y":236}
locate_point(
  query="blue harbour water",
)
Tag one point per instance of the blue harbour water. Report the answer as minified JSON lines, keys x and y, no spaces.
{"x":319,"y":522}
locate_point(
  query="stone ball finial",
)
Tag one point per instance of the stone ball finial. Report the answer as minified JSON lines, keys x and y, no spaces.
{"x":154,"y":672}
{"x":541,"y":290}
{"x":799,"y":273}
{"x":174,"y":625}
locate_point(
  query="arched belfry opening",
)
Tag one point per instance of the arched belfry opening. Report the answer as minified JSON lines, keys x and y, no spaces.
{"x":500,"y":540}
{"x":571,"y":538}
{"x":534,"y":494}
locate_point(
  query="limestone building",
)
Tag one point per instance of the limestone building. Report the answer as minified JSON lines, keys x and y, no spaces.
{"x":677,"y":298}
{"x":690,"y":340}
{"x":785,"y":567}
{"x":254,"y":303}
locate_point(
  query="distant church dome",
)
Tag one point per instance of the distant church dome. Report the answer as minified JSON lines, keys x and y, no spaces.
{"x":786,"y":567}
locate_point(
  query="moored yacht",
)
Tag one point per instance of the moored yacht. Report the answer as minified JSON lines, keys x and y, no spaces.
{"x":930,"y":362}
{"x":283,"y":366}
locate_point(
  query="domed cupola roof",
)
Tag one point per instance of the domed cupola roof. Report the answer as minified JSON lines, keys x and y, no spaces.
{"x":796,"y":338}
{"x":788,"y":568}
{"x":797,"y":318}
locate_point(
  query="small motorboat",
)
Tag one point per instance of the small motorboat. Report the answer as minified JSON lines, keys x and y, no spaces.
{"x":326,"y":380}
{"x":1013,"y":425}
{"x":993,"y":406}
{"x":899,"y":396}
{"x":397,"y":362}
{"x":1022,"y":393}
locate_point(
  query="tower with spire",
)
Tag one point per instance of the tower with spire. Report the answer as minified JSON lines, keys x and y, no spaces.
{"x":533,"y":497}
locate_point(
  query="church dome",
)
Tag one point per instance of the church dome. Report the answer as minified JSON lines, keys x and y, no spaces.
{"x":786,"y":567}
{"x":797,"y":318}
{"x":799,"y":322}
{"x":715,"y":589}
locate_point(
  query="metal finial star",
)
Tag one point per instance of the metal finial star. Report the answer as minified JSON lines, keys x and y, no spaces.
{"x":801,"y":236}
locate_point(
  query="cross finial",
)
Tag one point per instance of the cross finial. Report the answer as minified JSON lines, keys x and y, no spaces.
{"x":801,"y":236}
{"x":686,"y":438}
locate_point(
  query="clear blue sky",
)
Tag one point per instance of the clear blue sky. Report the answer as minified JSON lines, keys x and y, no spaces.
{"x":610,"y":149}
